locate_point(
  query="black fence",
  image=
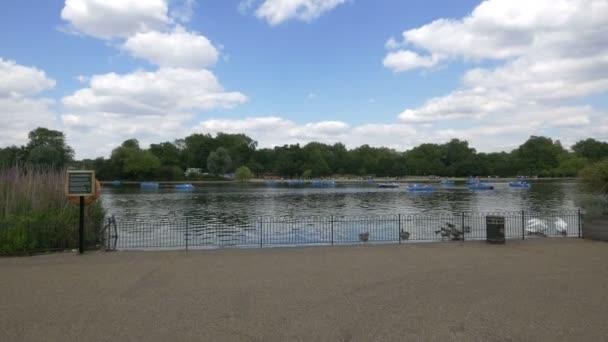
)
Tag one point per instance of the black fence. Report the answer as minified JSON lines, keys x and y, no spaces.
{"x":191,"y":233}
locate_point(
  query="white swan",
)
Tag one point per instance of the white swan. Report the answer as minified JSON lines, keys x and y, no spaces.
{"x":536,"y":226}
{"x":561,"y":226}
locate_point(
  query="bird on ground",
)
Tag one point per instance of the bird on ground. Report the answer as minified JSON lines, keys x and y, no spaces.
{"x":404,"y":235}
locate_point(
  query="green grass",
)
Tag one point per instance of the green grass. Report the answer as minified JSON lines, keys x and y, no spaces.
{"x":35,"y":214}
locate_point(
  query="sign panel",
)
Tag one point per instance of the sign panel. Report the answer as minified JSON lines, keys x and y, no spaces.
{"x":80,"y":183}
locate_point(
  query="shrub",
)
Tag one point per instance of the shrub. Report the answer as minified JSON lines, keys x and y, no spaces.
{"x":35,"y":214}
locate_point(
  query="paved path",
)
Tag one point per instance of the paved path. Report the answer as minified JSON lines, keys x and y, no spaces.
{"x":550,"y":290}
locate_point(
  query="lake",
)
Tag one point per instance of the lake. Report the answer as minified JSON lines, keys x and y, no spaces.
{"x":231,"y":200}
{"x":256,"y":215}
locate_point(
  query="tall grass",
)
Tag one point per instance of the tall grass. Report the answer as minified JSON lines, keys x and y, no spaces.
{"x":35,"y":214}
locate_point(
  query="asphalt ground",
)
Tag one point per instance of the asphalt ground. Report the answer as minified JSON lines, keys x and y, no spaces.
{"x":535,"y":290}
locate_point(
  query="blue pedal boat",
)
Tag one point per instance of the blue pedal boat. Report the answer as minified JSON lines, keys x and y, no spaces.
{"x":184,"y":187}
{"x":481,"y":186}
{"x":520,"y":184}
{"x":149,"y":185}
{"x":419,"y":188}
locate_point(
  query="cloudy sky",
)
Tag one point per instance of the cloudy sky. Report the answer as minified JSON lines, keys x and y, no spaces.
{"x":385,"y":73}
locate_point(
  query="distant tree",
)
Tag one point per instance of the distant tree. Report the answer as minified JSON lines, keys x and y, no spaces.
{"x":167,"y":153}
{"x":132,"y":162}
{"x":538,"y":155}
{"x":48,"y":155}
{"x":307,"y":174}
{"x":170,"y":173}
{"x":197,"y":149}
{"x":11,"y":155}
{"x":141,"y":164}
{"x":591,"y":149}
{"x":48,"y":147}
{"x":594,"y":177}
{"x":219,"y":161}
{"x":569,"y":165}
{"x":243,"y":174}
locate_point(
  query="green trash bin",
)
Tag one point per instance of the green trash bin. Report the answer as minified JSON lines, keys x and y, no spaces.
{"x":495,"y":229}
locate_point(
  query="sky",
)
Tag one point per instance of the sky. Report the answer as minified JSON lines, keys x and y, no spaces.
{"x":384,"y":73}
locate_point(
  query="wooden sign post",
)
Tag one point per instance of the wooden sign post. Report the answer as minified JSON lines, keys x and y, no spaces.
{"x":80,"y":184}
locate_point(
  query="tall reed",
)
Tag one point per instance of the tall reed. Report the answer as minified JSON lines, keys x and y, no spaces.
{"x":35,"y":214}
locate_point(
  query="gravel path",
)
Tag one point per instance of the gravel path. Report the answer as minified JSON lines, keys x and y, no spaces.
{"x":536,"y":290}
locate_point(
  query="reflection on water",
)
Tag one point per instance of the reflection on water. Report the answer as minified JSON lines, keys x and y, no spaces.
{"x":231,"y":202}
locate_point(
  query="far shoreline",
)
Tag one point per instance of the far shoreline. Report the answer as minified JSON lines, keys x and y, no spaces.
{"x":342,"y":180}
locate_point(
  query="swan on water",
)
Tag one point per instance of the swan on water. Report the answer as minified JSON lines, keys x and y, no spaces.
{"x":536,"y":226}
{"x":561,"y":226}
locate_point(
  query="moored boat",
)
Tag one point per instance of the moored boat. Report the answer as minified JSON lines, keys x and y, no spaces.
{"x":184,"y":187}
{"x":388,"y":185}
{"x":481,"y":186}
{"x":149,"y":185}
{"x":519,"y":184}
{"x":419,"y":188}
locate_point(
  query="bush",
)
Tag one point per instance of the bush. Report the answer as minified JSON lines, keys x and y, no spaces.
{"x":594,"y":179}
{"x":35,"y":215}
{"x":243,"y":174}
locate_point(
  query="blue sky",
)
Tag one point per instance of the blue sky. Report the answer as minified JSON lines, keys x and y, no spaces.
{"x":392,"y":73}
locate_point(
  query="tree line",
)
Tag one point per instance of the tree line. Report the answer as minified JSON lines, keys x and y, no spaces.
{"x":223,"y":153}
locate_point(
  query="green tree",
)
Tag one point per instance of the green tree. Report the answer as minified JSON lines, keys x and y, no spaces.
{"x":48,"y":147}
{"x":307,"y":174}
{"x":141,"y":164}
{"x":45,"y":155}
{"x":167,"y":153}
{"x":594,"y":177}
{"x":243,"y":174}
{"x":591,"y":149}
{"x":538,"y":155}
{"x":219,"y":161}
{"x":569,"y":165}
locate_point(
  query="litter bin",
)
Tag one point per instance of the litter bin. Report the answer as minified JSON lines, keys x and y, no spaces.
{"x":495,"y":229}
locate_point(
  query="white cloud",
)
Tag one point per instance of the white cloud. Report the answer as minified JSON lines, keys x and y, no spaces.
{"x":405,"y":60}
{"x":179,"y":48}
{"x":115,"y":19}
{"x":546,"y":54}
{"x":466,"y":104}
{"x":276,"y":131}
{"x":311,"y":96}
{"x":499,"y":29}
{"x":278,"y":11}
{"x":19,"y":111}
{"x":146,"y":105}
{"x":18,"y":80}
{"x":159,"y":92}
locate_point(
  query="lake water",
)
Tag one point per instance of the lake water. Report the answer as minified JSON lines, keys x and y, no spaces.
{"x":251,"y":215}
{"x":233,"y":200}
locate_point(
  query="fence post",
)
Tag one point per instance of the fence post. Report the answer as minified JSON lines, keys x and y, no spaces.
{"x":261,"y":232}
{"x":580,"y":235}
{"x":523,"y":225}
{"x":399,"y":228}
{"x":462,"y":226}
{"x":187,"y":234}
{"x":332,"y":230}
